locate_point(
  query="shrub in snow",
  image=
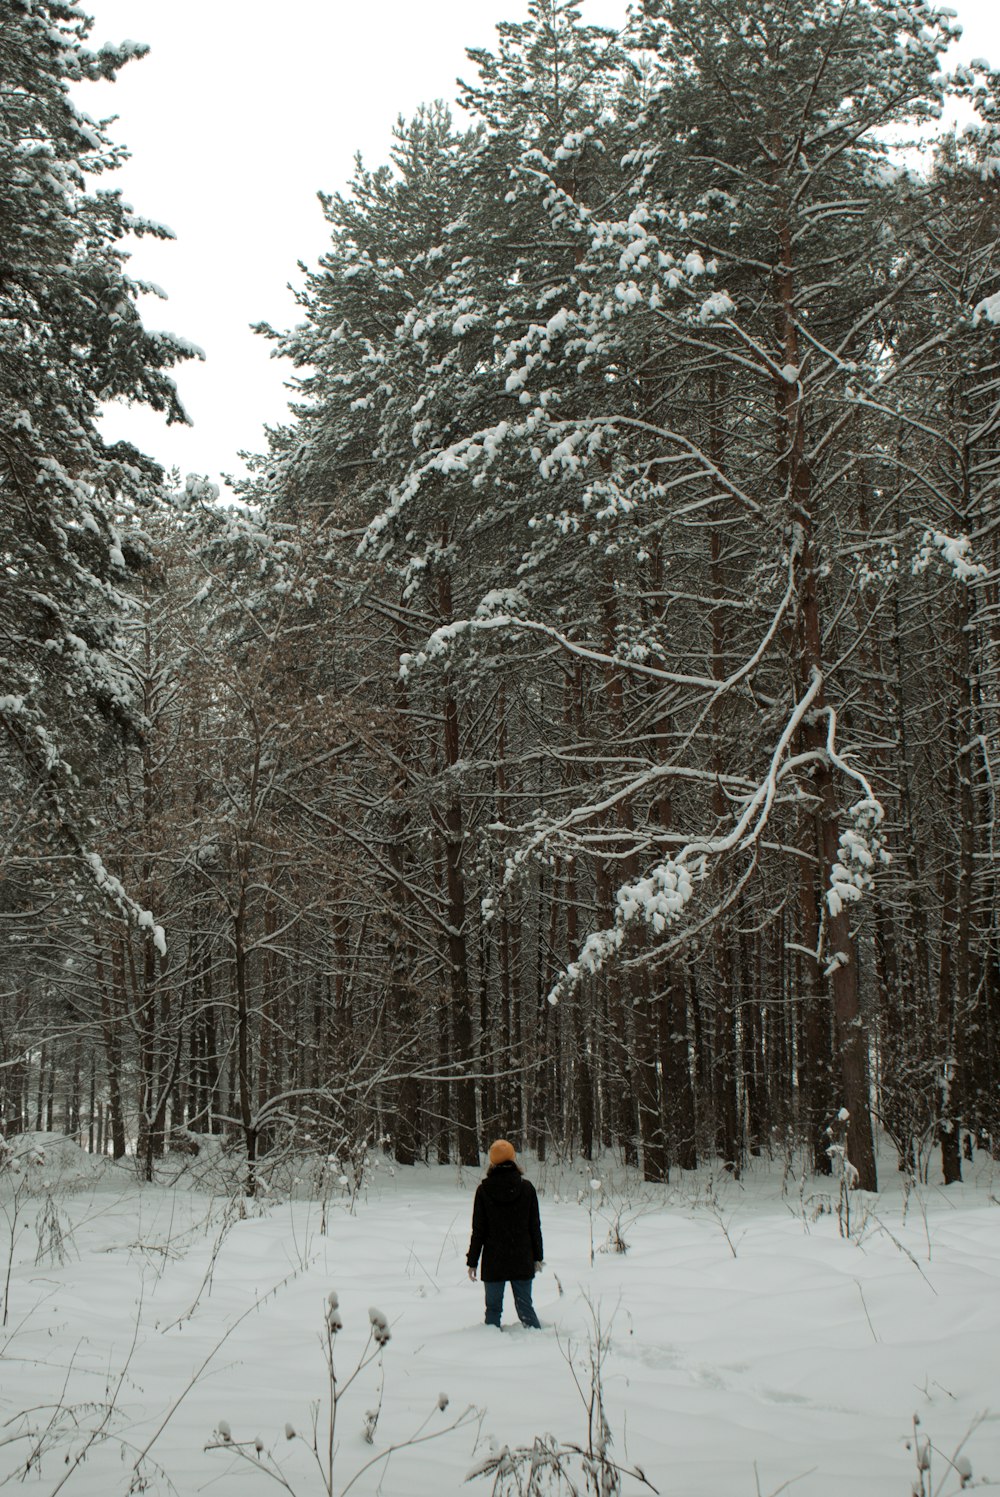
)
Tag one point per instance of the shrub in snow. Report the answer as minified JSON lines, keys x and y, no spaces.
{"x":958,"y":1465}
{"x":322,"y":1442}
{"x":844,"y":1171}
{"x":560,"y":1467}
{"x":54,"y":1233}
{"x":334,"y":1323}
{"x":380,"y":1327}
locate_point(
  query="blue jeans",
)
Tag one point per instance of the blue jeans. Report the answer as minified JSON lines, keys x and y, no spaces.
{"x":522,"y":1302}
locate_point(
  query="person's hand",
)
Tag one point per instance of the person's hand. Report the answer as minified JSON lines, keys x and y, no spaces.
{"x":472,"y":1274}
{"x":539,"y":1267}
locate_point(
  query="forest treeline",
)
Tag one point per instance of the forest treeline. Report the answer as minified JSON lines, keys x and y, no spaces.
{"x":585,"y":725}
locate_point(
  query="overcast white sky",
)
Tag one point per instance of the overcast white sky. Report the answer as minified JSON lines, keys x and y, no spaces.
{"x":235,"y":120}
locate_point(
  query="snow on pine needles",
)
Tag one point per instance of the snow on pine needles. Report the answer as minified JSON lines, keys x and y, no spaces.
{"x":162,"y":1339}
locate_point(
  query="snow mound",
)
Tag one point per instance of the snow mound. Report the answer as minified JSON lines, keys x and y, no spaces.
{"x":52,"y":1161}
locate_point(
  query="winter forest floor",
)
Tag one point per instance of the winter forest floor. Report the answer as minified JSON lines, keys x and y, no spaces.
{"x":751,"y":1346}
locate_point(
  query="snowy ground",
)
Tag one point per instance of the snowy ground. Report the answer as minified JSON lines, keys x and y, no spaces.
{"x":751,"y":1345}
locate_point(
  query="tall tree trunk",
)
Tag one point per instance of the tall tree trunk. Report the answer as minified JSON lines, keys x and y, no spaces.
{"x":112,"y":998}
{"x":244,"y":1074}
{"x":841,"y":968}
{"x":679,"y":1103}
{"x":464,"y":1089}
{"x":408,"y":1137}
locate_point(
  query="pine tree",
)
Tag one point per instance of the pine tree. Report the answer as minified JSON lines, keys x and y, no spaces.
{"x":71,"y":338}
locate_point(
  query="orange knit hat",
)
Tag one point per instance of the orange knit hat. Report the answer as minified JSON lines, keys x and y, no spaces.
{"x":501,"y":1151}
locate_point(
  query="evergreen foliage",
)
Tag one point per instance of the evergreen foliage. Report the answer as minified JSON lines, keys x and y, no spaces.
{"x":71,"y":338}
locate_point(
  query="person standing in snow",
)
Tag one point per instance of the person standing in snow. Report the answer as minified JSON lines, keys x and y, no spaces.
{"x":507,"y":1231}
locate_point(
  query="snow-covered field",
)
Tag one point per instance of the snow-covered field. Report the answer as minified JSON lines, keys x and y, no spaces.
{"x":750,"y":1345}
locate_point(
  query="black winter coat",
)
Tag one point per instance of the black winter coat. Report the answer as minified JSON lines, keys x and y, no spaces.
{"x":506,"y":1227}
